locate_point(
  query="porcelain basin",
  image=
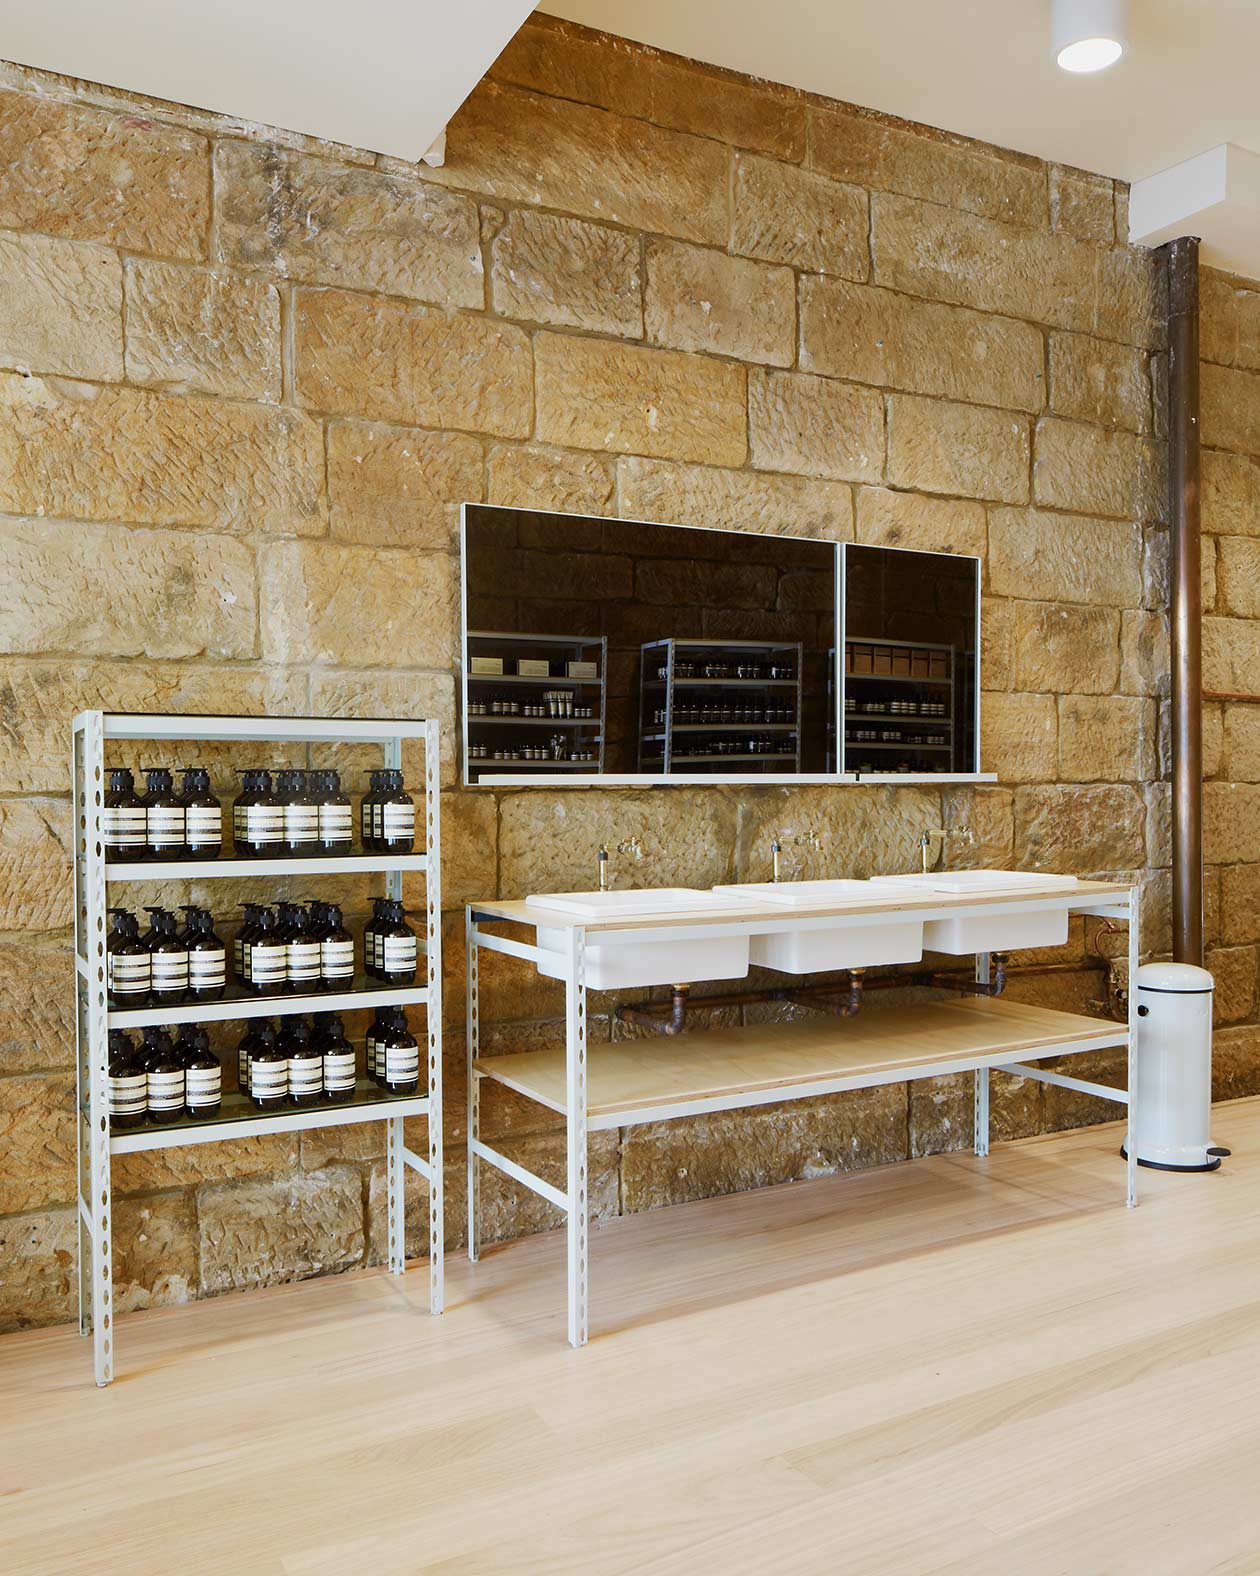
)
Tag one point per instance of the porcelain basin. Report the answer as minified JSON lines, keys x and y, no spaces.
{"x":883,"y":939}
{"x":664,"y":960}
{"x":963,"y":933}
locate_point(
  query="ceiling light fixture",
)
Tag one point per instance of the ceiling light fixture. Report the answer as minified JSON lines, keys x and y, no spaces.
{"x":1088,"y":35}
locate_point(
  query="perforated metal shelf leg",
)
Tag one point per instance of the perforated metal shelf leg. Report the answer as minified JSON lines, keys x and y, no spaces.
{"x":575,"y":1099}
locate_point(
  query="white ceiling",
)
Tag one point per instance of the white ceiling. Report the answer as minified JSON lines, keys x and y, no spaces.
{"x":983,"y":68}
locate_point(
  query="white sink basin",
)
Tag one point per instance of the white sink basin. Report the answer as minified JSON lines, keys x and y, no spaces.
{"x":963,"y":933}
{"x":883,"y":939}
{"x":663,"y":961}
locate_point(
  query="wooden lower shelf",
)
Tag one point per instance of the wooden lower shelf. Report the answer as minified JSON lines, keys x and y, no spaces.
{"x":727,"y":1068}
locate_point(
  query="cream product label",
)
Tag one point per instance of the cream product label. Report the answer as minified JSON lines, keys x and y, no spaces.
{"x":373,"y":947}
{"x":165,"y":1090}
{"x":398,"y":820}
{"x":306,"y":1074}
{"x":334,"y":823}
{"x":339,"y":1069}
{"x":207,"y":968}
{"x":203,"y":1086}
{"x":336,"y":960}
{"x":170,"y":970}
{"x":365,"y":821}
{"x":204,"y":824}
{"x":402,"y":1063}
{"x":267,"y":963}
{"x":128,"y":1094}
{"x":301,"y":823}
{"x":129,"y":972}
{"x":370,"y":1054}
{"x":124,"y":826}
{"x":264,"y":823}
{"x":165,"y":825}
{"x":303,"y":961}
{"x":267,"y":1079}
{"x":398,"y":953}
{"x":378,"y":820}
{"x":242,"y":1070}
{"x":238,"y":957}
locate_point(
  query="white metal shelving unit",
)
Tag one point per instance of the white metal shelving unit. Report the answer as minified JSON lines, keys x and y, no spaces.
{"x":93,"y":875}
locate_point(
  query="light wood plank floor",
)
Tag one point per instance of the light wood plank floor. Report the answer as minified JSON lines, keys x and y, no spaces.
{"x":941,"y":1367}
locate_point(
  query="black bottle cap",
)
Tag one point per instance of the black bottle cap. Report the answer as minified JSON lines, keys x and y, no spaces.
{"x":196,"y":779}
{"x":158,"y":778}
{"x":120,"y":779}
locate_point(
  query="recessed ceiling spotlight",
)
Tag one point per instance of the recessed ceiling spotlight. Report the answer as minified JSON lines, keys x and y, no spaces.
{"x":1088,"y":35}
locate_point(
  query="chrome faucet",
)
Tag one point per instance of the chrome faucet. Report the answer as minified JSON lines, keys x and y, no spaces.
{"x":628,"y":845}
{"x":932,"y":843}
{"x":796,"y":840}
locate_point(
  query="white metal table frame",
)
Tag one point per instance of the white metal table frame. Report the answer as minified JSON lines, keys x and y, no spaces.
{"x":573,"y":1199}
{"x":92,"y":730}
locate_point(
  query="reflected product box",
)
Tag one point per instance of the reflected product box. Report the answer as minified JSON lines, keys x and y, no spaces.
{"x":487,"y":665}
{"x":533,"y":668}
{"x":581,"y":670}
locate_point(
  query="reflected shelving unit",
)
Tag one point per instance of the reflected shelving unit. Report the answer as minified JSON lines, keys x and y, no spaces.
{"x":900,"y":707}
{"x":704,"y":703}
{"x":515,"y":734}
{"x":93,"y":731}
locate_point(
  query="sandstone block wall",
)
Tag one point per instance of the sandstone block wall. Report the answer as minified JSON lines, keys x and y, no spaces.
{"x":247,"y":377}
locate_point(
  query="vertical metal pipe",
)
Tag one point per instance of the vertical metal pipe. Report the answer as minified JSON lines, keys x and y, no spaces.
{"x":1186,"y":612}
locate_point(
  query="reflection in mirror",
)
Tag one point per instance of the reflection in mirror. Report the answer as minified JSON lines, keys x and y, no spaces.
{"x":911,"y":638}
{"x":618,"y":646}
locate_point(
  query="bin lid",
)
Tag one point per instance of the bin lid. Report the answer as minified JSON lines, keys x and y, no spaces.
{"x":1179,"y":979}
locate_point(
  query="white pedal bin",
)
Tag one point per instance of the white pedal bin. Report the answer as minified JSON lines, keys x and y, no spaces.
{"x":1173,"y":1109}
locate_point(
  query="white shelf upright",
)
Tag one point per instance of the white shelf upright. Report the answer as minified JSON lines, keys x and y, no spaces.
{"x":93,"y":875}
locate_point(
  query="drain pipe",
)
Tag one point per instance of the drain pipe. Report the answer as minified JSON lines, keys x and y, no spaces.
{"x":1186,"y":612}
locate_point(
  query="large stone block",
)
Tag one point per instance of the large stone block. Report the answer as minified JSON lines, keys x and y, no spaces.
{"x":860,"y":832}
{"x":1100,"y":381}
{"x":988,"y":815}
{"x":921,"y":163}
{"x":64,"y":581}
{"x":204,"y":329}
{"x":399,"y":487}
{"x":1231,"y":654}
{"x":997,"y":643}
{"x":35,"y":845}
{"x":332,"y":604}
{"x":37,"y":1137}
{"x":232,"y":1160}
{"x":1132,"y":296}
{"x":40,"y":1283}
{"x":1230,"y":408}
{"x":1073,"y":650}
{"x":287,"y":1228}
{"x":734,"y":500}
{"x":1144,"y":653}
{"x":36,"y":1008}
{"x":1231,"y":823}
{"x":569,"y":62}
{"x":1083,"y":204}
{"x":815,"y":427}
{"x":520,"y":148}
{"x":1229,"y":319}
{"x":120,"y":454}
{"x":700,"y":299}
{"x":1106,"y":738}
{"x":155,"y":1251}
{"x":940,"y":447}
{"x":1019,"y":737}
{"x":593,"y":394}
{"x":360,"y":355}
{"x":1236,"y":1062}
{"x":60,"y":308}
{"x":1238,"y":574}
{"x":928,"y":250}
{"x":788,"y":215}
{"x":73,"y":171}
{"x":929,"y":525}
{"x":1070,"y":829}
{"x":1231,"y":494}
{"x":1096,"y":471}
{"x":878,"y":336}
{"x":1240,"y":903}
{"x":531,"y":477}
{"x":1234,"y":971}
{"x":548,"y":269}
{"x":325,"y":224}
{"x":1240,"y":756}
{"x":385,"y":694}
{"x":1064,"y":558}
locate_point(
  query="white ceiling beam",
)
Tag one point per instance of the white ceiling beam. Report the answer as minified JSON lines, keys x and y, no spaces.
{"x":1215,"y":195}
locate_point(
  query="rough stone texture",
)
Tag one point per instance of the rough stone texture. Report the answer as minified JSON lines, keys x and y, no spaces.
{"x":255,"y":1233}
{"x":1039,"y":555}
{"x":547,"y":269}
{"x":75,"y":172}
{"x":537,"y":478}
{"x":521,"y":148}
{"x":155,"y":1251}
{"x":699,"y":299}
{"x":231,"y":1160}
{"x":1082,"y":204}
{"x":1093,"y":471}
{"x":1019,"y":737}
{"x":1097,"y":380}
{"x":35,"y":865}
{"x":1231,"y":822}
{"x":628,"y":400}
{"x":88,"y":453}
{"x":815,"y":427}
{"x":911,"y":520}
{"x":60,"y":308}
{"x":1231,"y":485}
{"x":37,"y":1139}
{"x":398,"y":487}
{"x":40,"y":1282}
{"x":326,"y":603}
{"x":1066,"y":649}
{"x":735,"y":500}
{"x":1240,"y":903}
{"x":1240,"y":760}
{"x":203,"y":329}
{"x":966,"y":175}
{"x":177,"y":604}
{"x":1230,"y":408}
{"x":36,"y":1008}
{"x":1231,"y":654}
{"x":1075,"y":829}
{"x":1106,"y":738}
{"x":877,"y":336}
{"x":1238,"y":576}
{"x":786,"y":215}
{"x":938,"y":447}
{"x":307,"y":219}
